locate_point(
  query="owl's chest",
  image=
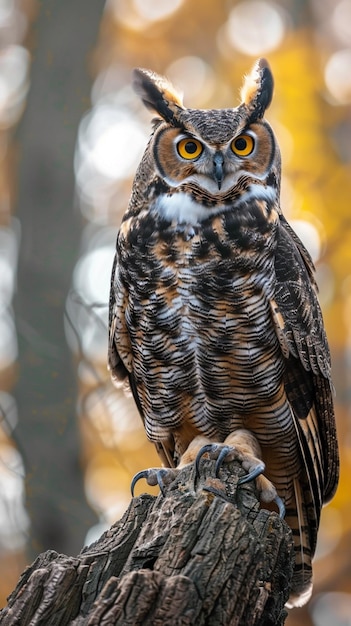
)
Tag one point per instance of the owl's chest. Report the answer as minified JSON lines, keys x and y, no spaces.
{"x":180,"y":276}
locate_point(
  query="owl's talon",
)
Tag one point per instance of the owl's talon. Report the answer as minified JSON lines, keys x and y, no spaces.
{"x":281,"y":506}
{"x":257,"y":471}
{"x":225,"y":450}
{"x":161,"y":474}
{"x":143,"y":474}
{"x":208,"y":447}
{"x":153,"y":477}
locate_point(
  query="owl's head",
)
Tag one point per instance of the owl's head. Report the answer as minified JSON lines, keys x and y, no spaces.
{"x":210,"y":160}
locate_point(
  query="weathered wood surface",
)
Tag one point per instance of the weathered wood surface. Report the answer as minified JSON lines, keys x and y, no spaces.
{"x":190,"y":557}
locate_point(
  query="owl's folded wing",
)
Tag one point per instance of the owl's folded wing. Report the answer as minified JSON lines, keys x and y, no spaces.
{"x":299,"y":325}
{"x":118,"y":363}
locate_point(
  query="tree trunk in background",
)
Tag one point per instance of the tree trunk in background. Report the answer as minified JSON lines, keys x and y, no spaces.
{"x":64,"y":35}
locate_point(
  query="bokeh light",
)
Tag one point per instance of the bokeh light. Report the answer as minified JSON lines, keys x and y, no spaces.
{"x":153,"y":10}
{"x":8,"y":340}
{"x":256,"y":28}
{"x":14,"y":67}
{"x":110,"y":143}
{"x":138,"y":14}
{"x":115,"y":418}
{"x":86,"y":309}
{"x":309,"y":236}
{"x":341,"y":21}
{"x":326,"y":284}
{"x":14,"y":523}
{"x":330,"y":532}
{"x":338,"y":76}
{"x":13,"y":22}
{"x":91,"y":276}
{"x":196,"y":78}
{"x":332,"y":608}
{"x":9,"y":249}
{"x":103,"y":482}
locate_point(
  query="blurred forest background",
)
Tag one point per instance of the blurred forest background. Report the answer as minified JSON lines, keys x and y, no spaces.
{"x":71,"y":134}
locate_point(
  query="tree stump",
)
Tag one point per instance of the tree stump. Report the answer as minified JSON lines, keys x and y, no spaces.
{"x":204,"y":553}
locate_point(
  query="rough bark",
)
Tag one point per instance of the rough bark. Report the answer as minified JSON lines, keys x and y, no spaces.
{"x":191,"y":556}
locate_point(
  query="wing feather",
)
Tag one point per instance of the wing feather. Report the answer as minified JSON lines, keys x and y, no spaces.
{"x":120,"y":365}
{"x":300,"y":330}
{"x":122,"y":375}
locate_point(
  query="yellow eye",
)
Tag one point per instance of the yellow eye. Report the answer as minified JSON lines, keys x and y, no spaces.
{"x":189,"y":148}
{"x":243,"y":145}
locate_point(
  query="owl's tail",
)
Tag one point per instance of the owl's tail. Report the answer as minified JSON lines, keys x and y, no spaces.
{"x":300,"y":517}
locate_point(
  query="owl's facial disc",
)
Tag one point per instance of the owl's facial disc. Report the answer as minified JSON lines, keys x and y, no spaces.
{"x":189,"y":159}
{"x":206,"y":178}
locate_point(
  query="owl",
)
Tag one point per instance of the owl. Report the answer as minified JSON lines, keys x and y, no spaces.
{"x":214,"y":317}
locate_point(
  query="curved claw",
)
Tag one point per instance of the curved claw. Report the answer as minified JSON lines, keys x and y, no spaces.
{"x":281,"y":506}
{"x":206,"y":448}
{"x":259,"y":469}
{"x":159,"y":477}
{"x":223,"y":453}
{"x":153,"y":476}
{"x":143,"y":474}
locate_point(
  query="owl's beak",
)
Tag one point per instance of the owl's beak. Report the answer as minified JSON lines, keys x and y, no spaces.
{"x":218,"y":168}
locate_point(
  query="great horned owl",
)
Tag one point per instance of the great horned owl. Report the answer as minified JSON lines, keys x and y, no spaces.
{"x":214,"y":317}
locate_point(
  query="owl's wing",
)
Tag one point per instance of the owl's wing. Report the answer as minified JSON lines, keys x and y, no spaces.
{"x":117,"y":327}
{"x":303,"y":341}
{"x":121,"y":365}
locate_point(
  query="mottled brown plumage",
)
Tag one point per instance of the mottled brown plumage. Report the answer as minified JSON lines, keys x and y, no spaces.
{"x":214,"y":317}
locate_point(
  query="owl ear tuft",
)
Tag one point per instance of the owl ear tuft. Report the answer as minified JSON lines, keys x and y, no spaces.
{"x":257,"y":90}
{"x":158,"y":94}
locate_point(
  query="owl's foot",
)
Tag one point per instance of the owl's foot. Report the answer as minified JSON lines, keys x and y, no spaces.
{"x":155,"y":476}
{"x":240,"y":445}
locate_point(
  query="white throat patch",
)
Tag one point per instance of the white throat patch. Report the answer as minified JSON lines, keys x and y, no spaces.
{"x":183,"y":209}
